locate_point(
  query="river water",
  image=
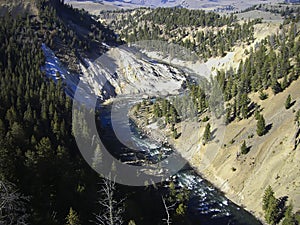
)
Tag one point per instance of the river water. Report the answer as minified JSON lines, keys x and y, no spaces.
{"x":206,"y":205}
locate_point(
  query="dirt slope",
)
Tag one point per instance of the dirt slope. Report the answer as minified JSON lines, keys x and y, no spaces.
{"x":272,"y":159}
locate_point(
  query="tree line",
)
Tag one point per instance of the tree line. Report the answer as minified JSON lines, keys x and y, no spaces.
{"x":221,"y":33}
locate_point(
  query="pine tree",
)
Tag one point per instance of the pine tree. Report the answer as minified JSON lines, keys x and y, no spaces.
{"x":245,"y":101}
{"x":17,"y":134}
{"x":175,"y":134}
{"x":272,"y":213}
{"x":288,"y":101}
{"x":289,"y":217}
{"x":131,"y":222}
{"x":269,"y":193}
{"x":207,"y":133}
{"x":276,"y":87}
{"x":181,"y":209}
{"x":297,"y":117}
{"x":270,"y":206}
{"x":44,"y":149}
{"x":263,"y":95}
{"x":244,"y":148}
{"x":261,"y":126}
{"x":72,"y":218}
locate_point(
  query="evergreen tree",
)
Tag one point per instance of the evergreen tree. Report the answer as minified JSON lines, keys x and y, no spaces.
{"x":261,"y":126}
{"x":289,"y":217}
{"x":244,"y":148}
{"x":17,"y":134}
{"x":37,"y":148}
{"x":272,"y":212}
{"x":72,"y":218}
{"x":297,"y":117}
{"x":181,"y":209}
{"x":276,"y":87}
{"x":175,"y":134}
{"x":44,"y":149}
{"x":207,"y":133}
{"x":263,"y":95}
{"x":269,"y":193}
{"x":131,"y":222}
{"x":270,"y":206}
{"x":97,"y":159}
{"x":288,"y":103}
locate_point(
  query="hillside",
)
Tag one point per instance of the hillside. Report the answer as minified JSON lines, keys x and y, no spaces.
{"x":17,"y":7}
{"x":218,"y":5}
{"x":273,"y":159}
{"x":53,"y":54}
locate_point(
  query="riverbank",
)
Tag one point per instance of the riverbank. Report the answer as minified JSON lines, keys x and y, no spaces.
{"x":189,"y":146}
{"x":272,"y":159}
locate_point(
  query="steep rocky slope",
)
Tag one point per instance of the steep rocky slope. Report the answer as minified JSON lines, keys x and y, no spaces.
{"x":273,"y":159}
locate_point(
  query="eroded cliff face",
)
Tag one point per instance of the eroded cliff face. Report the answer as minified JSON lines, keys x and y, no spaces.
{"x":273,"y":158}
{"x":118,"y":72}
{"x":126,"y":73}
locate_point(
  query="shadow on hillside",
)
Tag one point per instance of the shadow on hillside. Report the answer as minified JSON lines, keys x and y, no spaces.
{"x":269,"y":127}
{"x":213,"y":134}
{"x":292,"y":104}
{"x":282,"y":207}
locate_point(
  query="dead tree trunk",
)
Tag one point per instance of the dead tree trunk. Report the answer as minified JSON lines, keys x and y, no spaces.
{"x":112,"y":210}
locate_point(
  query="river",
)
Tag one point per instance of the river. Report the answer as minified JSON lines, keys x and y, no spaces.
{"x":206,"y":204}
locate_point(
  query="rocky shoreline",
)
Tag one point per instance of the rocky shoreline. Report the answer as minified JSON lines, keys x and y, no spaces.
{"x":272,"y":159}
{"x":141,"y":124}
{"x":187,"y":147}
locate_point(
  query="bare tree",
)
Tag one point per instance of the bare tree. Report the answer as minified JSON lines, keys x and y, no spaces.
{"x":112,"y":210}
{"x":12,"y":205}
{"x":168,"y":209}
